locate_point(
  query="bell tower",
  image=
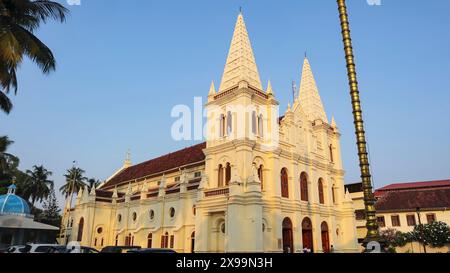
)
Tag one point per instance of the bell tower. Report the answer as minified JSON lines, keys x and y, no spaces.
{"x":238,"y":123}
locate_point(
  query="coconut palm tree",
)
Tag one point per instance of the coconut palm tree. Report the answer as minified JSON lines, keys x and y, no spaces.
{"x":93,"y":183}
{"x":19,"y":19}
{"x":75,"y":180}
{"x":8,"y":162}
{"x":37,"y":187}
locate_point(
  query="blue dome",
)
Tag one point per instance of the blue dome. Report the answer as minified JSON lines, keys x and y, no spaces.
{"x":13,"y":204}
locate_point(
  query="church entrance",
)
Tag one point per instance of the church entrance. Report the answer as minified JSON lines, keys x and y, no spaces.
{"x":325,"y":237}
{"x":307,"y":236}
{"x":288,"y":242}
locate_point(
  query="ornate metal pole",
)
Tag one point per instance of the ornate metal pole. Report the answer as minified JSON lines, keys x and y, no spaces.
{"x":369,"y":199}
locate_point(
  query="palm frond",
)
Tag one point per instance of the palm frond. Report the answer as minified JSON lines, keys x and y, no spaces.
{"x":34,"y":49}
{"x":5,"y":103}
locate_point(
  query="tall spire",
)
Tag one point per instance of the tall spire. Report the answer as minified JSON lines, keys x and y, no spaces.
{"x":240,"y":63}
{"x":309,"y":95}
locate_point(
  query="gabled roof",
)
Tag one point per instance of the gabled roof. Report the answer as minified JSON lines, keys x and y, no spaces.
{"x":171,"y":161}
{"x":409,"y":200}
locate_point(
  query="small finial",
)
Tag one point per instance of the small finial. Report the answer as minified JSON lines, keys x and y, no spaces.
{"x":240,"y":9}
{"x":127,"y":162}
{"x":306,"y":53}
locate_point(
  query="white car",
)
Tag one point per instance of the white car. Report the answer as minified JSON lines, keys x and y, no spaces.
{"x":16,"y":249}
{"x":39,"y":248}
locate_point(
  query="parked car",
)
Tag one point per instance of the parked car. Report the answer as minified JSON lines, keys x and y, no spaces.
{"x":57,"y":249}
{"x":16,"y":249}
{"x":151,"y":250}
{"x":38,"y":248}
{"x":118,"y":249}
{"x":83,"y":249}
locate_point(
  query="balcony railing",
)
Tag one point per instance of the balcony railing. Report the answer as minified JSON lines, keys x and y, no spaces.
{"x":217,"y":192}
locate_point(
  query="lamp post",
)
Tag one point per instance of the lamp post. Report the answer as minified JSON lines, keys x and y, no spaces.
{"x":421,"y":230}
{"x":373,"y":234}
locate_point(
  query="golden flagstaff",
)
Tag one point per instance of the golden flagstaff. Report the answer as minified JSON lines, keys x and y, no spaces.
{"x":373,"y":234}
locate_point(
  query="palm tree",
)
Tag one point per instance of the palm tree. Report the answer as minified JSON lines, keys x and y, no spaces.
{"x":18,"y":21}
{"x":93,"y":183}
{"x":38,"y":186}
{"x":8,"y":162}
{"x":74,"y":181}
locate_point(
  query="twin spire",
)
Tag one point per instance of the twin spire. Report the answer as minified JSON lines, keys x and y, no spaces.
{"x":309,"y":94}
{"x":241,"y":66}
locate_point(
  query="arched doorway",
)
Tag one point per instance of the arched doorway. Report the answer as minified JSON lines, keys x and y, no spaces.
{"x":80,"y":229}
{"x":193,"y":242}
{"x":288,"y":241}
{"x":325,"y":237}
{"x":307,"y":235}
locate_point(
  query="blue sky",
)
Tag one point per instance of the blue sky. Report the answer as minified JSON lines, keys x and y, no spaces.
{"x":123,"y":65}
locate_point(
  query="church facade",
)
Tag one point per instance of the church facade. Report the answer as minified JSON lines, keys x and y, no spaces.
{"x":260,"y":182}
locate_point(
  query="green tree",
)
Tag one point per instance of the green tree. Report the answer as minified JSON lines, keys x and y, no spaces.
{"x":75,"y":180}
{"x":8,"y":163}
{"x":51,"y":212}
{"x":37,"y":186}
{"x":19,"y":19}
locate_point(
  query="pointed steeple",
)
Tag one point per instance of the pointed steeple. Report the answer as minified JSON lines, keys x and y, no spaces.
{"x":212,"y":89}
{"x":269,"y":90}
{"x":333,"y":122}
{"x":241,"y":64}
{"x":309,"y":95}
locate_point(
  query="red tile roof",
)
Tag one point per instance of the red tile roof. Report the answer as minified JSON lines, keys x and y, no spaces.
{"x":406,"y":200}
{"x":160,"y":164}
{"x":436,"y":184}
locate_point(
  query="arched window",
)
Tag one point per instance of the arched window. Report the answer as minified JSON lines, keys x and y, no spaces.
{"x":320,"y":186}
{"x":331,"y":153}
{"x":254,"y":122}
{"x":128,"y":240}
{"x":220,"y":176}
{"x":260,"y":125}
{"x":222,"y":125}
{"x":284,"y":183}
{"x":193,"y":242}
{"x":333,"y":194}
{"x":304,"y":186}
{"x":227,"y":174}
{"x":149,"y":240}
{"x":229,"y":123}
{"x":165,"y":240}
{"x":261,"y":175}
{"x":117,"y":240}
{"x":80,"y":229}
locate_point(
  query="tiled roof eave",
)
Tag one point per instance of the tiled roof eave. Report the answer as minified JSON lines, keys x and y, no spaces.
{"x":151,"y":175}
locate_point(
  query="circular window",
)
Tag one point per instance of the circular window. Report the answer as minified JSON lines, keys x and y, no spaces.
{"x":152,"y":214}
{"x":134,"y":216}
{"x":172,"y":212}
{"x":99,"y":230}
{"x":119,"y":218}
{"x":222,"y":228}
{"x":194,"y":210}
